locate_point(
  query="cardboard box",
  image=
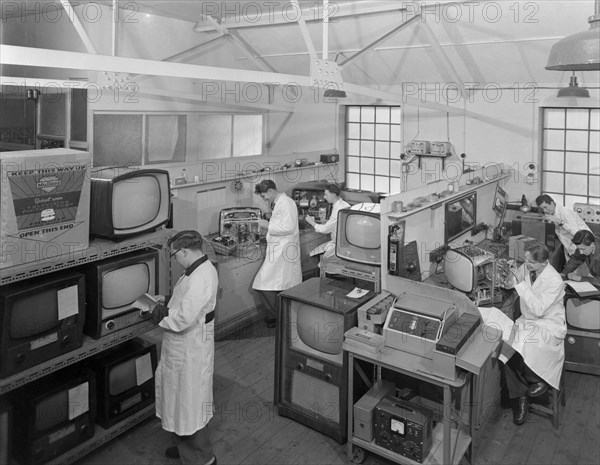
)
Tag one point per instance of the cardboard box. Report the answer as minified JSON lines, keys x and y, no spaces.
{"x":45,"y":203}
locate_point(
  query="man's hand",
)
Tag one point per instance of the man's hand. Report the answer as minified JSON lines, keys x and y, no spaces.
{"x":553,"y":219}
{"x":158,"y":313}
{"x":310,"y":220}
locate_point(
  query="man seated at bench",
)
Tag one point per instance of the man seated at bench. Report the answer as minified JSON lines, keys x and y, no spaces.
{"x":587,"y":253}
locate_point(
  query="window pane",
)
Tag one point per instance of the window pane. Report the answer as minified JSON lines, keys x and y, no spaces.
{"x":383,"y":114}
{"x":214,"y":136}
{"x":396,"y":168}
{"x":594,"y":141}
{"x":576,"y":162}
{"x":353,"y":113}
{"x":577,"y":140}
{"x":576,"y":184}
{"x":572,"y":199}
{"x":367,"y":149}
{"x":594,"y":189}
{"x":395,"y":186}
{"x":367,"y":165}
{"x":395,"y":133}
{"x":382,"y":166}
{"x":553,"y":161}
{"x":396,"y":115}
{"x":353,"y":131}
{"x":577,"y":118}
{"x":118,"y":140}
{"x":594,"y":163}
{"x":554,"y":139}
{"x":353,"y":147}
{"x":395,"y":150}
{"x":382,"y":150}
{"x":353,"y":181}
{"x":595,"y":119}
{"x":247,"y":135}
{"x":367,"y":131}
{"x":382,"y":184}
{"x":367,"y":183}
{"x":382,"y":132}
{"x":367,"y":115}
{"x":53,"y":112}
{"x":554,"y":118}
{"x":553,"y":182}
{"x":353,"y":164}
{"x":165,"y":138}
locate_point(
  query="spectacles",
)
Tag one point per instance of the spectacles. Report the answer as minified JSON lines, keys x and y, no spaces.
{"x":174,"y":253}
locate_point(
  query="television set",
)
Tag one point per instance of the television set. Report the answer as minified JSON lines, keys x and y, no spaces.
{"x":359,"y":234}
{"x":41,"y":318}
{"x":126,"y":203}
{"x":499,"y":205}
{"x":113,"y":285}
{"x":125,"y":380}
{"x":53,"y":414}
{"x":460,"y":216}
{"x":464,"y":267}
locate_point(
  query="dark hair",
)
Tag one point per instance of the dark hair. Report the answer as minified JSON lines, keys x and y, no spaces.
{"x":334,"y":189}
{"x":264,"y":186}
{"x":544,"y":198}
{"x":539,"y":252}
{"x":583,"y":236}
{"x":186,"y":240}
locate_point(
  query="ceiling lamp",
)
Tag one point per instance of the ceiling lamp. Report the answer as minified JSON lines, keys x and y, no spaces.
{"x":580,"y":51}
{"x":573,"y":90}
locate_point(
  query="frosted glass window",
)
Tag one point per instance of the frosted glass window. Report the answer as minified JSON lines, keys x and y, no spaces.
{"x":558,"y":198}
{"x":353,"y":164}
{"x":577,"y":140}
{"x":577,"y":119}
{"x":395,"y":186}
{"x":595,"y":188}
{"x":554,"y":161}
{"x":576,"y":184}
{"x":353,"y":114}
{"x":554,"y":118}
{"x":595,"y":120}
{"x":53,"y":113}
{"x":554,"y":139}
{"x":165,"y":138}
{"x":368,"y":115}
{"x":214,"y":136}
{"x":395,"y":150}
{"x":382,"y":166}
{"x":576,"y":162}
{"x":395,"y":133}
{"x":395,"y":168}
{"x":367,"y":183}
{"x":382,"y":132}
{"x":553,"y":182}
{"x":353,"y":180}
{"x":367,"y":165}
{"x":382,"y":114}
{"x":395,"y":115}
{"x":247,"y":135}
{"x":570,"y":200}
{"x":367,"y":149}
{"x":367,"y":131}
{"x":382,"y":150}
{"x":594,"y":141}
{"x":382,"y":184}
{"x":594,"y":163}
{"x":353,"y":130}
{"x":353,"y":147}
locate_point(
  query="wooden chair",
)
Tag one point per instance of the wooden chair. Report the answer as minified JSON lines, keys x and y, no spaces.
{"x":554,"y":397}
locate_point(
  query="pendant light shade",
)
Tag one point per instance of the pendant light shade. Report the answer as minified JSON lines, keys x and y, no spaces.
{"x":580,"y":51}
{"x":573,"y":90}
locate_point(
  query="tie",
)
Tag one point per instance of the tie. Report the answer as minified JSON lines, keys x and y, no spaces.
{"x":532,"y":276}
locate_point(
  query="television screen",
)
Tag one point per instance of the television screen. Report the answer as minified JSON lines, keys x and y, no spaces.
{"x":40,"y":318}
{"x":460,"y":216}
{"x":114,"y":284}
{"x":122,"y":377}
{"x":359,"y":234}
{"x":52,"y":410}
{"x":460,"y":271}
{"x":317,"y":331}
{"x":126,"y":203}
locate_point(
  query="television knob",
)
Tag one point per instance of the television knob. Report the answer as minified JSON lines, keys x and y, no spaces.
{"x":20,"y":358}
{"x":411,"y":266}
{"x":66,"y":340}
{"x":328,"y":377}
{"x":300,"y":367}
{"x":84,"y":430}
{"x":571,"y":340}
{"x":110,"y":324}
{"x":115,"y":411}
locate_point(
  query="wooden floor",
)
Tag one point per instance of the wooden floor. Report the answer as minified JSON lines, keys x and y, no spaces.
{"x":247,"y":430}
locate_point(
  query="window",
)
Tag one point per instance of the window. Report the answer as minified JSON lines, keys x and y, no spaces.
{"x":373,"y":147}
{"x":571,"y":155}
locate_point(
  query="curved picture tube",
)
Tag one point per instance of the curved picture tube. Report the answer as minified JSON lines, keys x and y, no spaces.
{"x":122,"y":377}
{"x":136,"y":202}
{"x":34,"y":313}
{"x":363,"y":231}
{"x":122,"y":286}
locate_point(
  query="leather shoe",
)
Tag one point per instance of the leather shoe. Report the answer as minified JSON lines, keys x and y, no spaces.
{"x":172,"y":452}
{"x":521,"y":411}
{"x":537,"y":389}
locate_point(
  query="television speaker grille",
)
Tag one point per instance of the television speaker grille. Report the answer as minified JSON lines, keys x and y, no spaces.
{"x":316,"y":396}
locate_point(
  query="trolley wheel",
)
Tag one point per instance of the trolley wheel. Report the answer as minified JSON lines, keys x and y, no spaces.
{"x":358,"y":454}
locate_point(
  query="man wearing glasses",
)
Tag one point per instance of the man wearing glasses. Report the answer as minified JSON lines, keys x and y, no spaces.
{"x":539,"y":333}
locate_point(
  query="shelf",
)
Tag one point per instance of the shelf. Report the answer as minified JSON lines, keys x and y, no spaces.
{"x":102,"y":436}
{"x":464,"y":189}
{"x":90,"y":347}
{"x":98,"y":249}
{"x":435,"y":456}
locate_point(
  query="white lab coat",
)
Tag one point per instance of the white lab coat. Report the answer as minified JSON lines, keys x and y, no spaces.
{"x":542,"y":327}
{"x":330,"y":227}
{"x":282,"y":267}
{"x":572,"y":223}
{"x":184,"y":377}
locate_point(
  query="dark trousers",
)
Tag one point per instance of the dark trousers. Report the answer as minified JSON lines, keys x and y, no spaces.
{"x":196,"y":448}
{"x":270,"y":301}
{"x":518,"y":376}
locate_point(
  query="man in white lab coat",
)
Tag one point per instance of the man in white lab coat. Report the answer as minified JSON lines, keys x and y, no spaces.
{"x":539,"y":332}
{"x":332,"y":195}
{"x":184,"y":377}
{"x":282,"y":267}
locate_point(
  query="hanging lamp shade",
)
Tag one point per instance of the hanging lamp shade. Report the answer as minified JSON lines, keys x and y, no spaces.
{"x":580,"y":51}
{"x":573,"y":90}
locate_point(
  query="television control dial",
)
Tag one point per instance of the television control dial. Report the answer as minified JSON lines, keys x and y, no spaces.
{"x":20,"y":358}
{"x":110,"y":324}
{"x":66,"y":340}
{"x":300,"y":366}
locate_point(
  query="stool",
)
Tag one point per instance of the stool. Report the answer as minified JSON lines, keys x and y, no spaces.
{"x":554,"y":395}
